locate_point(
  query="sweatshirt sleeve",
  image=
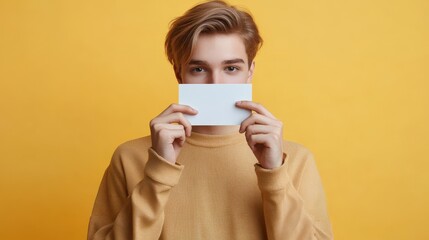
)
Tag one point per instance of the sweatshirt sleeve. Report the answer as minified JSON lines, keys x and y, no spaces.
{"x":139,"y":214}
{"x":294,"y":212}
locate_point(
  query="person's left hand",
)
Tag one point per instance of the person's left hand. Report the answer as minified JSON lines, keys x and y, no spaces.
{"x":264,"y":134}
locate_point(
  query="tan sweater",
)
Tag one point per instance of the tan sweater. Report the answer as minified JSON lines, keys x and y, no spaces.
{"x":212,"y":192}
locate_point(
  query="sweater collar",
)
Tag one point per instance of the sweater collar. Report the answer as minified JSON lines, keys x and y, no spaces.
{"x":207,"y":140}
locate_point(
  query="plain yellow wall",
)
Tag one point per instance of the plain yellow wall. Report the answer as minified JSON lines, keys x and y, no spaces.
{"x":350,"y":80}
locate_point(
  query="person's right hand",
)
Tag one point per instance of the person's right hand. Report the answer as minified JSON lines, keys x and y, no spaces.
{"x":167,"y":136}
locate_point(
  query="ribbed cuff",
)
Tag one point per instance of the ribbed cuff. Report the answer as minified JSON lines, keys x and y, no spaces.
{"x":272,"y":179}
{"x":160,"y":170}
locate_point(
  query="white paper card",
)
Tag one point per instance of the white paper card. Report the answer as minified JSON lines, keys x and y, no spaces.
{"x":215,"y":102}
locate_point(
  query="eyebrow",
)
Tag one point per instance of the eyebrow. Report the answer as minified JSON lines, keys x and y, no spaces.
{"x":231,"y":61}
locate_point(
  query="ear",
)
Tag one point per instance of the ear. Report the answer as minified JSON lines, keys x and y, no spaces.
{"x":251,"y":70}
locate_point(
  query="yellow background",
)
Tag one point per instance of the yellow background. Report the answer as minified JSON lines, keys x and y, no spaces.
{"x":350,"y":80}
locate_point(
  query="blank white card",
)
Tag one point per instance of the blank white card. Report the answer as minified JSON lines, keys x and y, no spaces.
{"x":215,"y":102}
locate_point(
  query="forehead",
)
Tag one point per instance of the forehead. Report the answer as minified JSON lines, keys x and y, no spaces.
{"x":215,"y":48}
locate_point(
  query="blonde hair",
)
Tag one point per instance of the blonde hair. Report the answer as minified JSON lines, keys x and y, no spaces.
{"x":209,"y":18}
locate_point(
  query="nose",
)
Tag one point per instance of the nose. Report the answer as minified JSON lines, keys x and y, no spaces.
{"x":215,"y":78}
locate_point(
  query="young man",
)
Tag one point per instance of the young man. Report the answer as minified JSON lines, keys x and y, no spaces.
{"x":211,"y":182}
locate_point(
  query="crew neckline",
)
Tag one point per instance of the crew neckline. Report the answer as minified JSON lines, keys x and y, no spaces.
{"x":209,"y":140}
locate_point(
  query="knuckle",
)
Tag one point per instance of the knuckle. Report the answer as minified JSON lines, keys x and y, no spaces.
{"x":157,"y":127}
{"x":180,"y":117}
{"x":173,"y":106}
{"x":163,"y":133}
{"x":153,"y":122}
{"x":184,"y":121}
{"x":251,"y":138}
{"x":250,"y":128}
{"x":248,"y":135}
{"x":275,"y":137}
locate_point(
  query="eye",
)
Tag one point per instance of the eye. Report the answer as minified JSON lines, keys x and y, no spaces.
{"x":232,"y":69}
{"x":197,"y":69}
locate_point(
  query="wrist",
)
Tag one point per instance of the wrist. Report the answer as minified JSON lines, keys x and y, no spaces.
{"x":274,"y":164}
{"x":169,"y":158}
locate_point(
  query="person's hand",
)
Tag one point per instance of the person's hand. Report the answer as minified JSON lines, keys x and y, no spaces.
{"x":263,"y":134}
{"x":167,"y":136}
